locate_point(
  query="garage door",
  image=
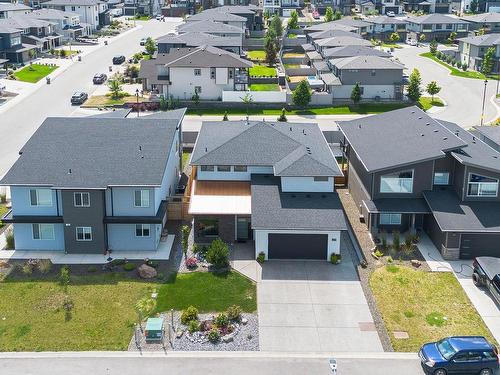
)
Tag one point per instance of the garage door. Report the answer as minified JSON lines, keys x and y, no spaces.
{"x":297,"y":246}
{"x":476,"y":245}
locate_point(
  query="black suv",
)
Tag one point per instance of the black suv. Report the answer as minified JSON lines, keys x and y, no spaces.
{"x":79,"y":98}
{"x":117,"y":60}
{"x":487,"y":274}
{"x":99,"y":78}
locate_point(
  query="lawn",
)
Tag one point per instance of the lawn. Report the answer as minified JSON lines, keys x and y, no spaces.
{"x":3,"y":211}
{"x":427,"y":305}
{"x":256,"y":55}
{"x":390,"y":45}
{"x":185,"y":158}
{"x":292,"y":36}
{"x":106,"y":101}
{"x":293,"y":55}
{"x":264,"y":87}
{"x":426,"y":102}
{"x":291,"y":66}
{"x":208,"y":292}
{"x":262,"y":71}
{"x":34,"y":73}
{"x":457,"y":72}
{"x":102,"y":318}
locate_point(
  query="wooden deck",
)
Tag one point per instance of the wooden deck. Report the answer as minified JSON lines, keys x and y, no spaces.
{"x":229,"y":188}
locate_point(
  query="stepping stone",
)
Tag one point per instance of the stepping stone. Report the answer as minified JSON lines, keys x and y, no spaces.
{"x":400,"y":335}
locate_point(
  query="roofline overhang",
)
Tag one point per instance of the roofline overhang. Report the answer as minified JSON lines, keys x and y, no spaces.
{"x":302,"y":229}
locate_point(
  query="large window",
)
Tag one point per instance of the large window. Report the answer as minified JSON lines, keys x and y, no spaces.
{"x":209,"y":227}
{"x":43,"y":231}
{"x":41,"y":197}
{"x":390,"y":219}
{"x":441,"y":178}
{"x":401,"y":182}
{"x":141,"y":198}
{"x":320,"y":179}
{"x":223,"y":168}
{"x":240,"y":168}
{"x":482,"y":186}
{"x":142,"y":230}
{"x":207,"y":168}
{"x":83,"y":233}
{"x":82,"y":199}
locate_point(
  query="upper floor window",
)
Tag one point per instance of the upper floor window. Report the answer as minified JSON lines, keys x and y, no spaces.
{"x":82,"y":199}
{"x":320,"y":179}
{"x":142,"y":230}
{"x":84,"y":233}
{"x":41,"y":197}
{"x":207,"y":168}
{"x":441,"y":178}
{"x":223,"y":168}
{"x":197,"y":72}
{"x":482,"y":186}
{"x":43,"y":231}
{"x":400,"y":182}
{"x":240,"y":168}
{"x":141,"y":198}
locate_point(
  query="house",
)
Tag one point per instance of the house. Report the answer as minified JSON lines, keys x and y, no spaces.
{"x":281,"y":7}
{"x":332,"y":25}
{"x":436,"y":26}
{"x":203,"y":71}
{"x":378,"y":77}
{"x":93,"y":12}
{"x":8,"y":10}
{"x":213,"y":28}
{"x":341,"y":5}
{"x":179,"y":8}
{"x":93,"y":185}
{"x":353,"y":51}
{"x":196,"y":39}
{"x":12,"y":47}
{"x":487,"y":22}
{"x":340,"y":41}
{"x":66,"y":24}
{"x":437,"y":178}
{"x":489,"y":135}
{"x":472,"y":49}
{"x":142,"y":7}
{"x":363,"y":28}
{"x":428,"y":6}
{"x":312,"y":36}
{"x":220,"y":17}
{"x":384,"y":26}
{"x":267,"y":182}
{"x":365,"y":7}
{"x":252,"y":13}
{"x":36,"y":32}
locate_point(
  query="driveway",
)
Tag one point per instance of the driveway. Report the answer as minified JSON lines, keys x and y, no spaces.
{"x":314,"y":306}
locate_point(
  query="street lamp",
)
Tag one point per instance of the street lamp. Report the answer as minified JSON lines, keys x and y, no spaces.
{"x":137,"y":102}
{"x":484,"y":100}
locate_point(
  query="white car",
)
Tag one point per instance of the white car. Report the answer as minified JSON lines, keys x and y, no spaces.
{"x":391,"y":14}
{"x":411,"y":42}
{"x":159,"y":17}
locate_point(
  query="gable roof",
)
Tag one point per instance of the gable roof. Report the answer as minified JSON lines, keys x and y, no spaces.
{"x":366,"y":62}
{"x":209,"y":27}
{"x":333,"y":25}
{"x":490,"y":132}
{"x":341,"y":41}
{"x":330,"y":33}
{"x":293,"y":149}
{"x":13,"y":6}
{"x":51,"y":14}
{"x":482,"y":40}
{"x":435,"y":18}
{"x":195,"y":39}
{"x":386,"y":20}
{"x":349,"y":51}
{"x":23,"y":22}
{"x":72,"y":2}
{"x":204,"y":57}
{"x":235,"y":9}
{"x":483,"y":18}
{"x":417,"y":137}
{"x":216,"y":16}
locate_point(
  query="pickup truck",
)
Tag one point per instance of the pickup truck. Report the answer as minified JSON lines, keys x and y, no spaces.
{"x":487,"y":273}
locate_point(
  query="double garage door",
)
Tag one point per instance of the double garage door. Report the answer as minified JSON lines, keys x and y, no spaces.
{"x":297,"y":246}
{"x":476,"y":245}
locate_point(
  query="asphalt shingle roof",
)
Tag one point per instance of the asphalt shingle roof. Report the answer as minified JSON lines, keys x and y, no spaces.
{"x":333,"y":25}
{"x":72,"y":2}
{"x":9,"y":6}
{"x":209,"y":27}
{"x":341,"y":41}
{"x":349,"y":51}
{"x":386,"y":20}
{"x":482,"y":40}
{"x":483,"y":18}
{"x":331,"y":33}
{"x":435,"y":18}
{"x":205,"y":56}
{"x":216,"y":16}
{"x":195,"y":39}
{"x":490,"y":132}
{"x":366,"y":62}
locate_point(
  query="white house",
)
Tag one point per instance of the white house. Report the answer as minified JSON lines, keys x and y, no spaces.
{"x":92,"y":12}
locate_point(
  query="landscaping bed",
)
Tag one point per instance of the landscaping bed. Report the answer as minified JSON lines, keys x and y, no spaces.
{"x":426,"y":102}
{"x":34,"y":72}
{"x":458,"y":72}
{"x":108,"y":101}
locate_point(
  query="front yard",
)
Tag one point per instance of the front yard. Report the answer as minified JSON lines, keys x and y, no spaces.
{"x":108,"y":101}
{"x":426,"y":305}
{"x":34,"y":72}
{"x":458,"y":72}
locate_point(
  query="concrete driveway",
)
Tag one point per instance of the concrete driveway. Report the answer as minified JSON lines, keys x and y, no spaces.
{"x":314,"y":306}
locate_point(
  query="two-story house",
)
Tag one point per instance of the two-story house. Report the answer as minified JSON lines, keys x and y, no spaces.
{"x":220,"y":17}
{"x":472,"y":49}
{"x":66,"y":24}
{"x":94,"y":185}
{"x":196,"y":39}
{"x":436,"y":26}
{"x":384,"y":26}
{"x":36,"y":32}
{"x":435,"y":178}
{"x":428,"y":6}
{"x":11,"y":46}
{"x":487,"y":22}
{"x":340,"y":41}
{"x":8,"y":10}
{"x":142,"y":7}
{"x":203,"y":71}
{"x":252,"y":14}
{"x":270,"y":183}
{"x":93,"y":12}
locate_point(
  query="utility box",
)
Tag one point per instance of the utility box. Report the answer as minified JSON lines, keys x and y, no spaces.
{"x":154,"y":329}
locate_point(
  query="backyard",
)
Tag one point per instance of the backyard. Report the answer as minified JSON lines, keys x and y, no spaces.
{"x":34,"y":72}
{"x":264,"y":87}
{"x":262,"y":71}
{"x":426,"y":305}
{"x":256,"y":55}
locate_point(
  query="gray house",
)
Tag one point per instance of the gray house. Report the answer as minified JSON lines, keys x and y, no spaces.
{"x":384,"y":26}
{"x":213,"y":28}
{"x":472,"y":49}
{"x":437,"y":178}
{"x":11,"y":46}
{"x":436,"y":26}
{"x":196,"y":39}
{"x":489,"y":135}
{"x":93,"y":185}
{"x":489,"y":22}
{"x":330,"y":33}
{"x":352,"y":51}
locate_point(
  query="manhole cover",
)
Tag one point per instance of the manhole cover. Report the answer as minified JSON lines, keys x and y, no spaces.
{"x":401,"y":335}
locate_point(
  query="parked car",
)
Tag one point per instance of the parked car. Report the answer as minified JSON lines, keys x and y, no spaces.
{"x":411,"y":42}
{"x":99,"y":78}
{"x":315,"y":15}
{"x":143,"y":41}
{"x":79,"y":98}
{"x":459,"y":355}
{"x":487,"y":273}
{"x":117,"y":60}
{"x":159,"y":17}
{"x":391,"y":14}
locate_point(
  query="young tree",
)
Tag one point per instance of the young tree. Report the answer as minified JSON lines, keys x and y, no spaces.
{"x":473,"y":6}
{"x":185,"y":230}
{"x":270,"y":49}
{"x":433,"y":89}
{"x":433,"y":46}
{"x":394,"y":37}
{"x":150,"y":46}
{"x":329,"y":14}
{"x":356,"y":94}
{"x":480,"y":32}
{"x":487,"y":65}
{"x":277,"y":25}
{"x":452,"y":37}
{"x":302,"y":94}
{"x":247,"y":100}
{"x":414,"y":91}
{"x":337,"y":15}
{"x":293,"y":22}
{"x":115,"y":88}
{"x":218,"y":254}
{"x":422,"y":38}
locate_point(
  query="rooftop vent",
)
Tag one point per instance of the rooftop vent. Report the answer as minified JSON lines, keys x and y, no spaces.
{"x":206,"y":149}
{"x":427,"y":123}
{"x":456,"y":133}
{"x":435,"y":130}
{"x":69,"y":171}
{"x":445,"y":138}
{"x":359,"y":126}
{"x":422,"y":135}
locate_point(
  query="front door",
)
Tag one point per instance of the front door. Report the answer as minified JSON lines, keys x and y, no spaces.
{"x":242,"y":229}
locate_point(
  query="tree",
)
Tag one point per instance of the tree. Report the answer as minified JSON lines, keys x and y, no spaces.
{"x":433,"y":89}
{"x":282,"y":117}
{"x":270,"y":47}
{"x":247,"y":100}
{"x":356,"y":93}
{"x":293,"y":22}
{"x":337,"y":15}
{"x":225,"y":118}
{"x":480,"y":32}
{"x":150,"y":46}
{"x":414,"y":91}
{"x":185,"y":230}
{"x":329,"y":14}
{"x":422,"y":38}
{"x":473,"y":6}
{"x":145,"y":307}
{"x":302,"y":94}
{"x":487,"y":65}
{"x":62,"y":53}
{"x":394,"y":37}
{"x":115,"y":88}
{"x":132,"y":71}
{"x":452,"y":37}
{"x":277,"y":25}
{"x":433,"y":46}
{"x":218,"y":254}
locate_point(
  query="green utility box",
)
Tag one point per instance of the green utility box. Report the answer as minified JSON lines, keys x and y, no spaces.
{"x":154,"y":329}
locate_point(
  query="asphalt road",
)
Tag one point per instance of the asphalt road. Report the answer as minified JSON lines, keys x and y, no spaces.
{"x":19,"y":122}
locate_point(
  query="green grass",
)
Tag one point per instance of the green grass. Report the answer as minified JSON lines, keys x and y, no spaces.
{"x":256,"y":55}
{"x":291,"y":66}
{"x":427,"y":305}
{"x":426,"y":102}
{"x":262,"y":71}
{"x":207,"y":292}
{"x":34,"y":73}
{"x":454,"y":71}
{"x":3,"y":211}
{"x":185,"y":158}
{"x":142,"y":18}
{"x":291,"y":36}
{"x":264,"y":87}
{"x":108,"y":101}
{"x":390,"y":45}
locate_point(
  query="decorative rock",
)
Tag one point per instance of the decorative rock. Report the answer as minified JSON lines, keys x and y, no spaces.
{"x":146,"y":272}
{"x":415,"y":263}
{"x":227,"y":338}
{"x":179,"y":334}
{"x":244,"y":321}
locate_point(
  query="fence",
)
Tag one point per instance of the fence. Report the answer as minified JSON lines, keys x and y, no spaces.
{"x":257,"y":96}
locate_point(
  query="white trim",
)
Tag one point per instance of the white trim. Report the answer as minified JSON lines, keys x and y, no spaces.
{"x":142,"y":230}
{"x":142,"y":198}
{"x":84,"y":231}
{"x":394,"y":173}
{"x":38,"y":199}
{"x":479,"y":184}
{"x":81,"y":193}
{"x":391,"y":216}
{"x":40,"y":232}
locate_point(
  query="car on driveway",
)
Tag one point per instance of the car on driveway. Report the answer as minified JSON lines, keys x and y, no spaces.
{"x":487,"y":273}
{"x":79,"y":98}
{"x":117,"y":60}
{"x":99,"y":78}
{"x":143,"y":41}
{"x":472,"y":355}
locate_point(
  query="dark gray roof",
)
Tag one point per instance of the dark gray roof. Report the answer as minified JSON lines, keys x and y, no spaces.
{"x":490,"y":132}
{"x":483,"y":18}
{"x":333,"y":25}
{"x":330,"y":79}
{"x":99,"y":152}
{"x":292,"y":149}
{"x":234,"y":9}
{"x":331,"y":33}
{"x":314,"y":55}
{"x":120,"y":113}
{"x":482,"y":40}
{"x":273,"y":209}
{"x":8,"y":30}
{"x":321,"y":66}
{"x":452,"y":215}
{"x":400,"y":137}
{"x":216,"y":16}
{"x":435,"y":18}
{"x":386,"y":20}
{"x":307,"y":47}
{"x":205,"y":56}
{"x":13,"y":6}
{"x":72,"y":2}
{"x":196,"y":39}
{"x":174,"y":114}
{"x":402,"y":206}
{"x":349,"y":51}
{"x":341,"y":41}
{"x":209,"y":27}
{"x":366,"y":62}
{"x":23,"y":22}
{"x":350,"y":21}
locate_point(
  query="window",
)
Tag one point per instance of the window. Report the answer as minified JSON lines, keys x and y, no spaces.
{"x":197,"y":72}
{"x":209,"y":227}
{"x":449,"y":26}
{"x":142,"y":230}
{"x":441,"y":178}
{"x":401,"y":182}
{"x":231,"y":73}
{"x":482,"y":186}
{"x":223,"y":168}
{"x":373,"y":73}
{"x":43,"y":231}
{"x":73,"y":9}
{"x":197,"y":89}
{"x":320,"y":179}
{"x":141,"y":198}
{"x":439,"y":26}
{"x":83,"y":233}
{"x":207,"y":168}
{"x":212,"y":73}
{"x":390,"y":219}
{"x":41,"y":197}
{"x":82,"y":199}
{"x":240,"y":168}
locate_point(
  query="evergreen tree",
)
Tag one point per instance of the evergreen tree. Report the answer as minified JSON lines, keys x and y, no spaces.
{"x":293,"y":22}
{"x":329,"y":14}
{"x":356,"y":93}
{"x":302,"y":94}
{"x":414,"y":91}
{"x":277,"y":25}
{"x":487,"y":65}
{"x":433,"y":46}
{"x":150,"y":46}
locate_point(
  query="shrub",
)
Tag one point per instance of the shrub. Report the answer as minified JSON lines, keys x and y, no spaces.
{"x":92,"y":269}
{"x":118,"y":262}
{"x":185,"y":238}
{"x":129,"y":267}
{"x":335,"y":258}
{"x":225,"y":118}
{"x":3,"y":198}
{"x":9,"y":239}
{"x":44,"y":265}
{"x":464,"y":67}
{"x":64,"y":276}
{"x":153,"y":263}
{"x":396,"y":242}
{"x":27,"y":268}
{"x":189,"y":314}
{"x":282,"y":117}
{"x":193,"y":326}
{"x":221,"y":320}
{"x":378,"y":253}
{"x":218,"y":254}
{"x":389,"y":259}
{"x":261,"y":257}
{"x":196,"y":248}
{"x":213,"y":335}
{"x":234,"y":312}
{"x":191,"y":262}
